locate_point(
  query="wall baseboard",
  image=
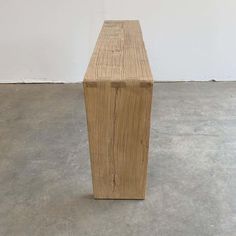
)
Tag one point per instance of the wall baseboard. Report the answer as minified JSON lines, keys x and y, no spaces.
{"x":159,"y":81}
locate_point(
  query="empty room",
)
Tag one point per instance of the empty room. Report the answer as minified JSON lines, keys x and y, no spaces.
{"x":117,"y":118}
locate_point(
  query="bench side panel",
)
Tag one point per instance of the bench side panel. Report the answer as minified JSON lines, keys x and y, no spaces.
{"x":118,"y":124}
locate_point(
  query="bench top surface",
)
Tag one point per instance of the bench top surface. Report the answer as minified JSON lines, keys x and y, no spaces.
{"x":119,"y":54}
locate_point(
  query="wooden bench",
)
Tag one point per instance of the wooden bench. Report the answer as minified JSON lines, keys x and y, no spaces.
{"x":118,"y":94}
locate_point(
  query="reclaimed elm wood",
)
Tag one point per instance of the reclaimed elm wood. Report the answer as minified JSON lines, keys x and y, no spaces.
{"x":118,"y":94}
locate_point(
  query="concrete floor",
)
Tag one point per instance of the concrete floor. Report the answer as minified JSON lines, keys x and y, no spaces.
{"x":45,"y":179}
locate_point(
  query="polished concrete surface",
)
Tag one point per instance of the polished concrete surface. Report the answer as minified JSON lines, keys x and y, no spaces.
{"x":45,"y":178}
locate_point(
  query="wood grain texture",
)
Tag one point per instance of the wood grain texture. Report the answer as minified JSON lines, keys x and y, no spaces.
{"x":118,"y":95}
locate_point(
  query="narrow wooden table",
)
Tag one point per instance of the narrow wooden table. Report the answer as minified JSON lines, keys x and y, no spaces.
{"x":118,"y":93}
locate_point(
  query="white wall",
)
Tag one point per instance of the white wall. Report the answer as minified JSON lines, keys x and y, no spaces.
{"x":52,"y":40}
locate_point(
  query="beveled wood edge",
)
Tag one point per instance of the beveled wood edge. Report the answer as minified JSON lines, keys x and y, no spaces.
{"x":118,"y":84}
